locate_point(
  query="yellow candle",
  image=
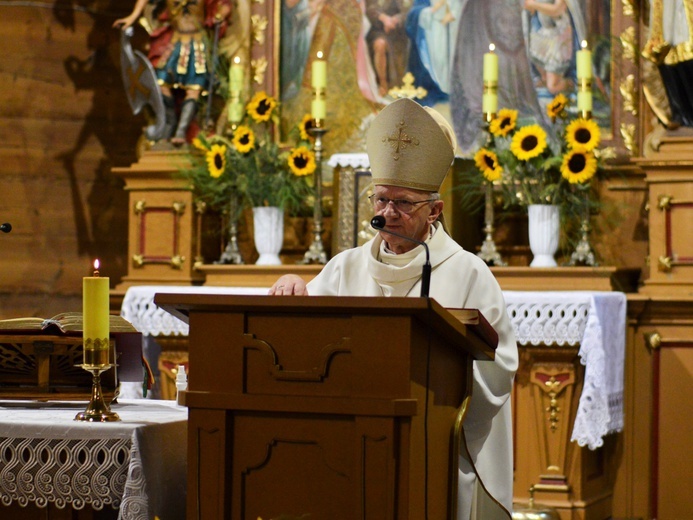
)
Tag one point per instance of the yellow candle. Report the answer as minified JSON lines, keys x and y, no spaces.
{"x":319,"y":72}
{"x":236,"y":76}
{"x":489,"y":103}
{"x":95,"y":312}
{"x":584,"y":62}
{"x":235,"y":112}
{"x":584,"y":101}
{"x":318,"y":109}
{"x":584,"y":78}
{"x":491,"y":64}
{"x":489,"y":99}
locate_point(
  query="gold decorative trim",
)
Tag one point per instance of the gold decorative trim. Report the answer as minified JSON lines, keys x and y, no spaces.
{"x":629,"y":44}
{"x":628,"y":135}
{"x":664,"y":264}
{"x":259,"y":25}
{"x":629,"y":95}
{"x":259,"y":68}
{"x":554,"y":387}
{"x":178,"y":208}
{"x":629,"y":8}
{"x":653,"y":340}
{"x":664,"y":202}
{"x":140,"y":258}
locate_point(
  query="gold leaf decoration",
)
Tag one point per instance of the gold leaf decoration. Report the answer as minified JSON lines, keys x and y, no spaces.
{"x":629,"y":8}
{"x":628,"y":135}
{"x":629,"y":44}
{"x":628,"y":93}
{"x":259,"y":24}
{"x":259,"y":68}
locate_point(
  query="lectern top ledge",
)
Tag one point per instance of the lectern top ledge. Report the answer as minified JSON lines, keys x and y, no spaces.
{"x":481,"y":339}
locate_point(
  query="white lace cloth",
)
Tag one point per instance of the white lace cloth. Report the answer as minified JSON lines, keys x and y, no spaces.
{"x":139,"y":309}
{"x":137,"y":464}
{"x":597,"y":322}
{"x":354,"y":160}
{"x":594,"y":320}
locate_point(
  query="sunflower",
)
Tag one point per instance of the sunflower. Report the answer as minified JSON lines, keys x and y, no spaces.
{"x":504,"y":123}
{"x":556,"y":107}
{"x":216,"y":160}
{"x":528,"y":142}
{"x":197,"y":143}
{"x":302,"y":161}
{"x":487,"y":162}
{"x":243,"y":139}
{"x":582,"y":134}
{"x":578,"y":166}
{"x":261,"y":106}
{"x":305,"y":125}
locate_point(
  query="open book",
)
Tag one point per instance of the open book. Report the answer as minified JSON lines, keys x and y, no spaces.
{"x":18,"y":335}
{"x":63,"y":323}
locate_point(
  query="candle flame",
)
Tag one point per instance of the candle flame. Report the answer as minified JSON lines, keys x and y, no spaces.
{"x":491,"y":47}
{"x":583,"y":44}
{"x":319,"y":55}
{"x":237,"y":60}
{"x":96,"y":264}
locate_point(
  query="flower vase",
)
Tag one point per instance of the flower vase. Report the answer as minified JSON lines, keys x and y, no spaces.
{"x":268,"y":223}
{"x":544,"y":229}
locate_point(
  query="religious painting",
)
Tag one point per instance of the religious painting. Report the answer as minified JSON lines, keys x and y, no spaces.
{"x":371,"y":44}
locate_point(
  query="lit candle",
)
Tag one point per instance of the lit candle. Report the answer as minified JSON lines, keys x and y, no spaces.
{"x":318,"y":108}
{"x":235,"y":106}
{"x":491,"y":64}
{"x":489,"y":101}
{"x":584,"y":61}
{"x":236,"y":76}
{"x":584,"y":78}
{"x":319,"y":72}
{"x":95,"y":312}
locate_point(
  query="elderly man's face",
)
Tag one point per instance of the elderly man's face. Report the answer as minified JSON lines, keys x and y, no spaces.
{"x":414,"y":224}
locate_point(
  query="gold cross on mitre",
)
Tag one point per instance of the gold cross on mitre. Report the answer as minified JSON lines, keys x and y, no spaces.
{"x":408,"y":90}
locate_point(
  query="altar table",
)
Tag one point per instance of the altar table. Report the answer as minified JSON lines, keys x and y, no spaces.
{"x":594,"y":320}
{"x":137,"y":464}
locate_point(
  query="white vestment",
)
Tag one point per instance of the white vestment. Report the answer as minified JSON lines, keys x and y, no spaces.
{"x":459,"y":279}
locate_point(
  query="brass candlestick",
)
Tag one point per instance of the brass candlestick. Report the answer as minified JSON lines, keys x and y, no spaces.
{"x":316,"y":252}
{"x":583,"y":251}
{"x":232,"y":253}
{"x":96,"y":361}
{"x":488,"y":252}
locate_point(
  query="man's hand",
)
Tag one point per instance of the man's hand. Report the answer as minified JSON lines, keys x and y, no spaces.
{"x":289,"y":284}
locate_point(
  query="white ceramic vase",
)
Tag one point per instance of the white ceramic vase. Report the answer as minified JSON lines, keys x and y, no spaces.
{"x":544,"y":230}
{"x":268,"y":223}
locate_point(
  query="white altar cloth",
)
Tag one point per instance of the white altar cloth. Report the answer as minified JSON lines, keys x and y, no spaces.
{"x":139,"y":309}
{"x":597,"y":322}
{"x":137,"y":464}
{"x":594,"y":320}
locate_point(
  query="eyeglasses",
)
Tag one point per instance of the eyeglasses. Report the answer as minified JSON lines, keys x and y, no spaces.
{"x":402,"y":205}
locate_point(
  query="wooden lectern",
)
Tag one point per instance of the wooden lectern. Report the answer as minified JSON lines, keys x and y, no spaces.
{"x":318,"y":406}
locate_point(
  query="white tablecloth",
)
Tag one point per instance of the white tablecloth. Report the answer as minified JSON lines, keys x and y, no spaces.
{"x":597,"y":322}
{"x":137,"y":464}
{"x":594,"y":320}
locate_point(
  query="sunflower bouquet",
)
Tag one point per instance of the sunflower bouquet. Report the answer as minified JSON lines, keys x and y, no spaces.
{"x":250,"y":166}
{"x":532,"y":166}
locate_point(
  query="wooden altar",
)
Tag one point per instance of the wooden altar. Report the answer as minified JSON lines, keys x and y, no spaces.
{"x":333,"y":407}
